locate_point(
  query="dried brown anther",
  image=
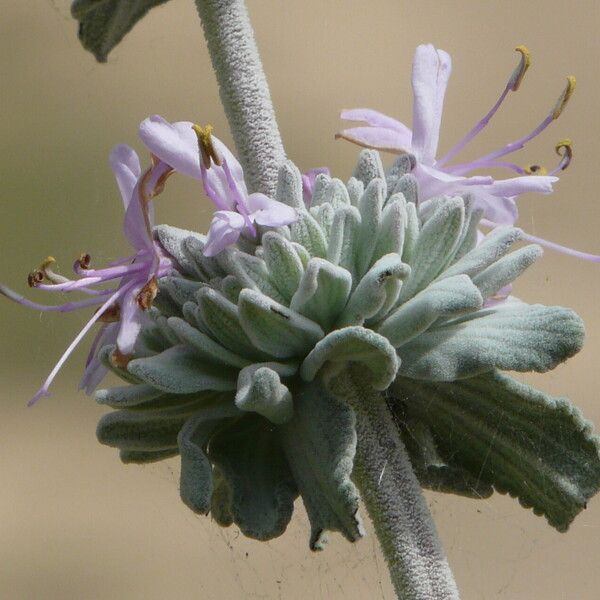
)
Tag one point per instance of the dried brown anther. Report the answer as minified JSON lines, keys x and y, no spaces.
{"x":147,"y":294}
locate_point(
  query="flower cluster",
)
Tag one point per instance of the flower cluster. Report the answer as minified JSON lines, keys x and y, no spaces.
{"x":239,"y":369}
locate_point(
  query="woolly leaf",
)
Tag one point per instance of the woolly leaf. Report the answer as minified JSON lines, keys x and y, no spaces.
{"x":249,"y":456}
{"x":506,"y":270}
{"x":407,"y":186}
{"x":444,"y":298}
{"x":289,"y":185}
{"x":141,"y":457}
{"x":283,"y":263}
{"x":434,"y":472}
{"x":520,"y":440}
{"x":251,"y":271}
{"x":322,"y":293}
{"x":274,"y":328}
{"x":145,"y":430}
{"x":195,"y":483}
{"x":517,"y":337}
{"x":173,"y":239}
{"x":306,"y":231}
{"x":180,"y":370}
{"x":368,"y":167}
{"x":206,"y":348}
{"x":180,"y":290}
{"x":354,"y":344}
{"x":373,"y":291}
{"x":221,"y":319}
{"x":127,"y":396}
{"x":355,"y":190}
{"x":435,"y":246}
{"x":320,"y":443}
{"x":344,"y":238}
{"x":391,"y":233}
{"x":260,"y":390}
{"x":493,"y":247}
{"x":370,"y":207}
{"x":104,"y":23}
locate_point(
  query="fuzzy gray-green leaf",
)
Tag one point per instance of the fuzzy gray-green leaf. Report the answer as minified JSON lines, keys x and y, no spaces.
{"x":104,"y":23}
{"x":320,"y":444}
{"x":444,"y":298}
{"x":180,"y":370}
{"x":249,"y":457}
{"x":260,"y":390}
{"x":274,"y":328}
{"x":519,"y":338}
{"x":507,"y":434}
{"x":354,"y":344}
{"x":322,"y":293}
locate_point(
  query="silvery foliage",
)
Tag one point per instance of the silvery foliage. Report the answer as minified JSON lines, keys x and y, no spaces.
{"x":237,"y":371}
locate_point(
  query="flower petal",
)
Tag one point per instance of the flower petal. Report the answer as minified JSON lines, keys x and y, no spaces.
{"x":376,"y":119}
{"x":174,"y":143}
{"x":380,"y":138}
{"x":265,"y":211}
{"x":431,"y":71}
{"x":225,"y":229}
{"x":125,"y":165}
{"x":132,"y":319}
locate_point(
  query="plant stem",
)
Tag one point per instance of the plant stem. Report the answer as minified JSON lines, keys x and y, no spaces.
{"x":244,"y":91}
{"x":394,"y":500}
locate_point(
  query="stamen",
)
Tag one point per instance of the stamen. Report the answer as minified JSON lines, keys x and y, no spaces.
{"x":514,"y":81}
{"x":208,"y":152}
{"x":564,"y":97}
{"x":147,"y":294}
{"x":524,"y":64}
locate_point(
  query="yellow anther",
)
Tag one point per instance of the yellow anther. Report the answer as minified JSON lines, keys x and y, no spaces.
{"x":535,"y":170}
{"x":46,"y":263}
{"x":564,"y":149}
{"x":519,"y":72}
{"x":208,"y":152}
{"x":564,"y":97}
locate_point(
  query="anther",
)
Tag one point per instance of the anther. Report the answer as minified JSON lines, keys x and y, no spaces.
{"x":84,"y":261}
{"x":518,"y":74}
{"x":564,"y":149}
{"x":34,"y":278}
{"x":147,"y":294}
{"x":564,"y":97}
{"x":536,"y":170}
{"x":208,"y":152}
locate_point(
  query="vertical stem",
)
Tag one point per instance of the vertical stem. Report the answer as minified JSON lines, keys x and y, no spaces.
{"x":394,"y":500}
{"x":244,"y":90}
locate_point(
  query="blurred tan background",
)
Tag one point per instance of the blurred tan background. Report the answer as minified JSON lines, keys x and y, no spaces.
{"x":77,"y":524}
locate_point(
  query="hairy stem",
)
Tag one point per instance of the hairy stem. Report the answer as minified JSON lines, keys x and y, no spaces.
{"x":244,"y":90}
{"x":394,"y":500}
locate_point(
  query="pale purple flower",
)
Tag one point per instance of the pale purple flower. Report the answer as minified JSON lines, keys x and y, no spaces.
{"x":195,"y":152}
{"x":436,"y":177}
{"x":121,"y":309}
